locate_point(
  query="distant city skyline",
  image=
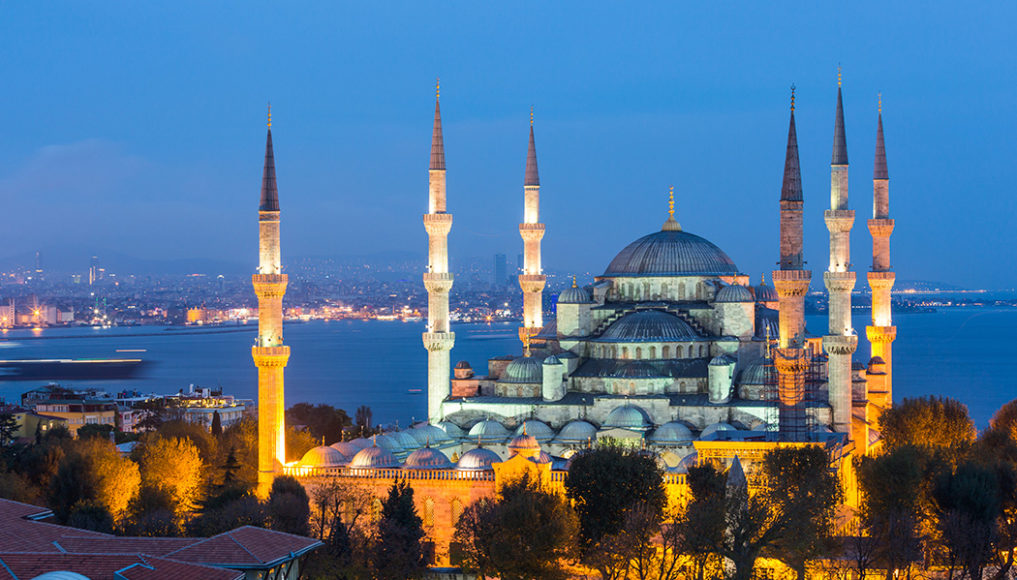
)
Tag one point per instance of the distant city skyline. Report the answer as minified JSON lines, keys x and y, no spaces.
{"x":146,"y":133}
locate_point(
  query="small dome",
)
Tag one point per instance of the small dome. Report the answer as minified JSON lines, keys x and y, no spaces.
{"x":671,"y":253}
{"x":712,"y":430}
{"x":463,"y":365}
{"x":734,"y":293}
{"x":542,"y":457}
{"x":525,"y":445}
{"x":429,"y":435}
{"x":538,"y":429}
{"x":722,"y":360}
{"x":452,"y":430}
{"x":478,"y":459}
{"x":60,"y":575}
{"x":765,"y":293}
{"x":347,"y":448}
{"x":552,"y":360}
{"x":322,"y":456}
{"x":405,"y":439}
{"x":627,"y":417}
{"x":760,"y":373}
{"x":577,"y":431}
{"x":488,"y":432}
{"x":574,"y":295}
{"x":648,"y":326}
{"x":672,"y":433}
{"x":688,"y":461}
{"x":360,"y":443}
{"x":525,"y":369}
{"x":374,"y":457}
{"x":427,"y":458}
{"x":388,"y":442}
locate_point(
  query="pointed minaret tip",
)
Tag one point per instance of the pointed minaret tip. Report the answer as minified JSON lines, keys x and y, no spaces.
{"x":437,"y":142}
{"x":791,"y":188}
{"x":840,"y":156}
{"x":879,"y":170}
{"x":532,"y":177}
{"x":671,"y":225}
{"x":269,"y":192}
{"x":736,"y":475}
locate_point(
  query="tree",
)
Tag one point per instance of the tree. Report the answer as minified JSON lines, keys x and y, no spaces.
{"x":153,"y":513}
{"x":91,"y":515}
{"x":288,"y":506}
{"x":93,"y":470}
{"x":216,"y":428}
{"x":323,"y":422}
{"x":99,"y":431}
{"x":8,"y":427}
{"x":607,"y":482}
{"x":298,"y":442}
{"x":525,"y":533}
{"x":338,"y":506}
{"x":700,"y":526}
{"x":174,"y":466}
{"x":939,"y":425}
{"x":397,"y":552}
{"x":970,"y":503}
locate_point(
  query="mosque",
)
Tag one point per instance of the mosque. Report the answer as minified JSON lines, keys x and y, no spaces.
{"x":672,"y":349}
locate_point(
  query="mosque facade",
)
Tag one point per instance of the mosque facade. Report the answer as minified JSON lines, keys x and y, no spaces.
{"x":671,"y":349}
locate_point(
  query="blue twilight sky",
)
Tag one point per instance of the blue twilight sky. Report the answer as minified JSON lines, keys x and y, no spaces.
{"x":139,"y":126}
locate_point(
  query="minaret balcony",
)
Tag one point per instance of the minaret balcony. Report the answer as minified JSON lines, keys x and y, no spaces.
{"x":839,"y":220}
{"x":269,"y":285}
{"x":270,"y":356}
{"x":881,"y":227}
{"x":840,"y":344}
{"x":839,"y":281}
{"x":792,"y":282}
{"x":531,"y":232}
{"x":881,"y":280}
{"x":438,"y":224}
{"x":881,"y":334}
{"x":438,"y":282}
{"x":439,"y":341}
{"x":532,"y":282}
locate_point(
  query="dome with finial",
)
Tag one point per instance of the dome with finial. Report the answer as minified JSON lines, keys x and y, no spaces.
{"x":671,"y":252}
{"x":524,"y":444}
{"x":576,"y":432}
{"x":451,"y":429}
{"x":427,"y":458}
{"x":574,"y":295}
{"x":323,"y":456}
{"x":478,"y":459}
{"x":388,"y":442}
{"x":374,"y":457}
{"x":537,"y":428}
{"x":672,"y":433}
{"x":734,"y":293}
{"x":488,"y":431}
{"x":627,"y":417}
{"x":525,"y":369}
{"x":347,"y":448}
{"x":430,"y":434}
{"x":765,"y":293}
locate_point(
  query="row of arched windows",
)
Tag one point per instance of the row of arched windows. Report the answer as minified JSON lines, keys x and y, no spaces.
{"x":636,"y":353}
{"x":657,"y":291}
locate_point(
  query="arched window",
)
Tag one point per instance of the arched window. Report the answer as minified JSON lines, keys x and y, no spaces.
{"x":678,"y":351}
{"x":681,"y":387}
{"x":376,"y":509}
{"x":639,"y":353}
{"x":625,"y":352}
{"x":667,"y":352}
{"x":428,"y":513}
{"x":702,"y":351}
{"x":457,"y":510}
{"x":653,"y":352}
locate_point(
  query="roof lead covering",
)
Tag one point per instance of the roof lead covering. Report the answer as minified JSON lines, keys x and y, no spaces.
{"x":437,"y":144}
{"x":532,"y":176}
{"x":269,"y":193}
{"x":839,"y":139}
{"x":791,"y":189}
{"x":879,"y":170}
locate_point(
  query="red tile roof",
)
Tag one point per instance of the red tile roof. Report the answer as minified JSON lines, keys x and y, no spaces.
{"x":105,"y":567}
{"x":247,"y":546}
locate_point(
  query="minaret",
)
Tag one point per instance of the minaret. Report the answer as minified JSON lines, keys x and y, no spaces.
{"x":840,"y":342}
{"x":270,"y":355}
{"x":791,"y":280}
{"x":438,"y":340}
{"x":882,"y":332}
{"x":532,"y":231}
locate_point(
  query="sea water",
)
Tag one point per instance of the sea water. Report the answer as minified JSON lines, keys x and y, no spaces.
{"x":964,"y":353}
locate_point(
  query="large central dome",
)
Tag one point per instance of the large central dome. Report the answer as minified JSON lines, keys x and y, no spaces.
{"x":671,"y":253}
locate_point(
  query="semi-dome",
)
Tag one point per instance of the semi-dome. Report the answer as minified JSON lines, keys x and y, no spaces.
{"x":429,"y":435}
{"x":627,"y":417}
{"x":672,"y":433}
{"x":648,"y":326}
{"x":759,"y":373}
{"x":712,"y":430}
{"x":427,"y":458}
{"x":688,"y":461}
{"x":406,"y":440}
{"x":374,"y":457}
{"x":722,"y":360}
{"x":734,"y":293}
{"x":388,"y":442}
{"x":537,"y":428}
{"x":637,"y":370}
{"x":323,"y":456}
{"x":478,"y":459}
{"x":489,"y":432}
{"x":347,"y":448}
{"x":765,"y":293}
{"x":574,"y":295}
{"x":525,"y":445}
{"x":360,"y":443}
{"x":451,"y":429}
{"x":577,"y":431}
{"x":525,"y":369}
{"x":671,"y":253}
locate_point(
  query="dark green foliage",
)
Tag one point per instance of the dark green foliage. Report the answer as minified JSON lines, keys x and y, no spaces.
{"x":8,"y":426}
{"x":896,"y":507}
{"x":72,"y":483}
{"x":153,"y":513}
{"x":323,"y":422}
{"x":99,"y":431}
{"x":939,"y":425}
{"x":525,"y":533}
{"x":605,"y":483}
{"x":216,"y":428}
{"x":90,"y":515}
{"x":701,"y":526}
{"x":363,"y":420}
{"x":397,"y":552}
{"x":288,"y":506}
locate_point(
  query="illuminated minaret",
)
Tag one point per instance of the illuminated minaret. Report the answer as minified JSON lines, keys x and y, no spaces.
{"x":532,"y":231}
{"x":881,"y":278}
{"x":438,"y":340}
{"x":791,"y":280}
{"x":840,"y":342}
{"x":270,"y":355}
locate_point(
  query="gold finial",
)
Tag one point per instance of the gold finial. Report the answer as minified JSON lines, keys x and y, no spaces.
{"x":768,"y":354}
{"x":792,"y":98}
{"x":838,"y":76}
{"x":526,"y":344}
{"x":573,"y":281}
{"x":437,"y":88}
{"x":879,"y":97}
{"x":670,"y":203}
{"x":270,"y":114}
{"x":531,"y":115}
{"x":762,"y":278}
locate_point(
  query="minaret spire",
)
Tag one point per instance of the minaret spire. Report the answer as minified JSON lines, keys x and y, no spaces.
{"x":882,"y":332}
{"x":438,"y":338}
{"x":532,"y":280}
{"x":841,"y":341}
{"x":269,"y":353}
